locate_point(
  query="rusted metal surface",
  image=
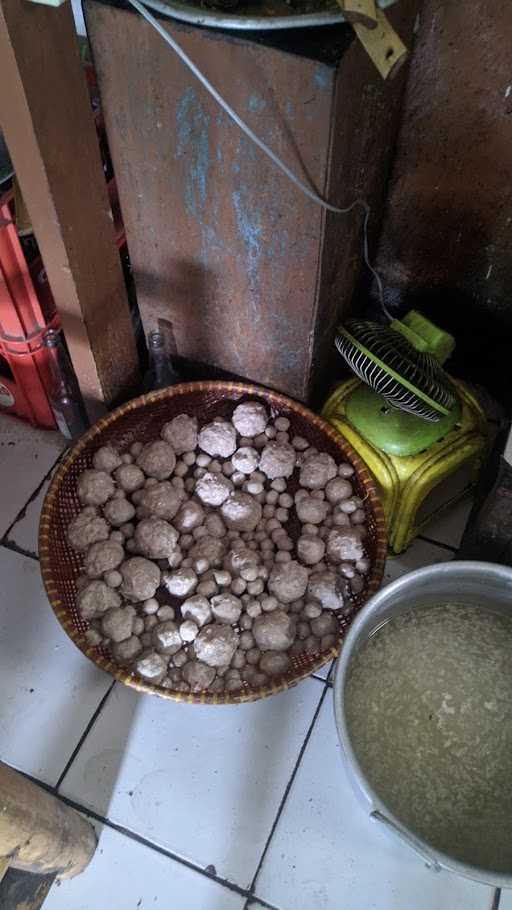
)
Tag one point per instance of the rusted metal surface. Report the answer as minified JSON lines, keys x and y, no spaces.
{"x":49,"y":128}
{"x":447,"y":232}
{"x":221,"y":243}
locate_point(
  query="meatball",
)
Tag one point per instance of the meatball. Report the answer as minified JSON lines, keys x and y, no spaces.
{"x":181,"y":433}
{"x":102,"y":557}
{"x":118,"y":512}
{"x":338,"y":489}
{"x":274,"y":631}
{"x":317,"y":470}
{"x":216,"y":644}
{"x":198,"y":675}
{"x":240,"y":558}
{"x":245,"y":459}
{"x":325,"y":624}
{"x":191,"y":515}
{"x":250,"y":418}
{"x":155,"y":538}
{"x":288,"y":581}
{"x":127,"y":650}
{"x":94,"y":487}
{"x":188,"y":630}
{"x":274,"y":663}
{"x":181,"y":582}
{"x":129,"y":477}
{"x":277,"y":460}
{"x":312,"y":511}
{"x":241,"y":512}
{"x":226,"y":607}
{"x":209,"y":548}
{"x":214,"y":525}
{"x":117,"y":623}
{"x":213,"y":489}
{"x":198,"y":609}
{"x":96,"y":598}
{"x":344,"y":544}
{"x":218,"y":438}
{"x":327,"y":588}
{"x":87,"y":528}
{"x":106,"y":459}
{"x":161,"y":500}
{"x":310,"y":549}
{"x":157,"y":459}
{"x":141,"y":578}
{"x":166,"y":637}
{"x":152,"y":667}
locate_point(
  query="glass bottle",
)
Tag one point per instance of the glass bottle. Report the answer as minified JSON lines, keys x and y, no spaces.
{"x":63,"y":390}
{"x":161,"y":372}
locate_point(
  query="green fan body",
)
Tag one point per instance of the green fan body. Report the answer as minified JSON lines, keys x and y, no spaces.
{"x":411,"y":402}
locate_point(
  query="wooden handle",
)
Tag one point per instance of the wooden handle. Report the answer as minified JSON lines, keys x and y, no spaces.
{"x":383,"y":45}
{"x":362,"y":12}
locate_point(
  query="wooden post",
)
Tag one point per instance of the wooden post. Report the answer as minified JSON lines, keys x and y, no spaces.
{"x":48,"y":125}
{"x":39,"y":833}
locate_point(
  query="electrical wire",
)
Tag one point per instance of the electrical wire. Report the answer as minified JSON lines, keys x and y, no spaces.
{"x":310,"y":193}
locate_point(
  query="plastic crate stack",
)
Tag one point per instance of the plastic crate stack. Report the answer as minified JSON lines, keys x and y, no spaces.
{"x":27,"y":310}
{"x":27,"y":307}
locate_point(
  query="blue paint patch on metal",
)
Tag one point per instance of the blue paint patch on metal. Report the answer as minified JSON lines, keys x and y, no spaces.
{"x":192,"y":125}
{"x":248,"y":220}
{"x":321,"y":77}
{"x":256,"y":103}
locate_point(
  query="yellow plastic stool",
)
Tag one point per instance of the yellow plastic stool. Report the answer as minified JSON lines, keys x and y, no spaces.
{"x":415,"y":488}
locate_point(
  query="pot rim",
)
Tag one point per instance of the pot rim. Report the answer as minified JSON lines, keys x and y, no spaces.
{"x":430,"y":854}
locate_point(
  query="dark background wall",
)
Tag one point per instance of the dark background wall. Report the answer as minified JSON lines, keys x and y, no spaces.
{"x":446,"y":243}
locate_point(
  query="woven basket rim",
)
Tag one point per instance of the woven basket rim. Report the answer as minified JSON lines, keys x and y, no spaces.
{"x":219,"y":387}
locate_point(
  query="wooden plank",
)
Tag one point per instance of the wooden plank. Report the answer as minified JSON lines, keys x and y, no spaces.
{"x":366,"y":117}
{"x":48,"y":125}
{"x":38,"y":832}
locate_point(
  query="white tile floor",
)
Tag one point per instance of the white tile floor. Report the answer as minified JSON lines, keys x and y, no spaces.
{"x":197,"y":808}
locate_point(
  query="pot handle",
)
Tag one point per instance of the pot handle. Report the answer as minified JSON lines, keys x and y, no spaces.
{"x":409,"y":839}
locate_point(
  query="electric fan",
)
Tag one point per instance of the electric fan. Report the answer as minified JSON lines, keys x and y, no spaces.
{"x":421,"y":433}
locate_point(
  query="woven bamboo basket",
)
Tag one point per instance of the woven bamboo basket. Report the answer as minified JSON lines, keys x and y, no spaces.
{"x":142,"y":419}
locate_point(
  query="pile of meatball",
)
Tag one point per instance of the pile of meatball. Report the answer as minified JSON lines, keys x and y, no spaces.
{"x":191,"y":579}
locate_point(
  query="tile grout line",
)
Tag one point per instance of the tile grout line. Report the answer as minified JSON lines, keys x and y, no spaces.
{"x":126,"y":832}
{"x":138,"y":838}
{"x":252,"y":899}
{"x":287,"y":791}
{"x":437,"y":543}
{"x":496,"y":900}
{"x":84,"y":736}
{"x":22,"y":512}
{"x":14,"y":548}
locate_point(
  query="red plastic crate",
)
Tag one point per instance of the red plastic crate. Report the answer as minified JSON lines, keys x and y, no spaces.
{"x":24,"y":317}
{"x":27,"y":310}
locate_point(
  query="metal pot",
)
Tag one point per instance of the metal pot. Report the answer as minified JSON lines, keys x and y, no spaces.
{"x":471,"y":583}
